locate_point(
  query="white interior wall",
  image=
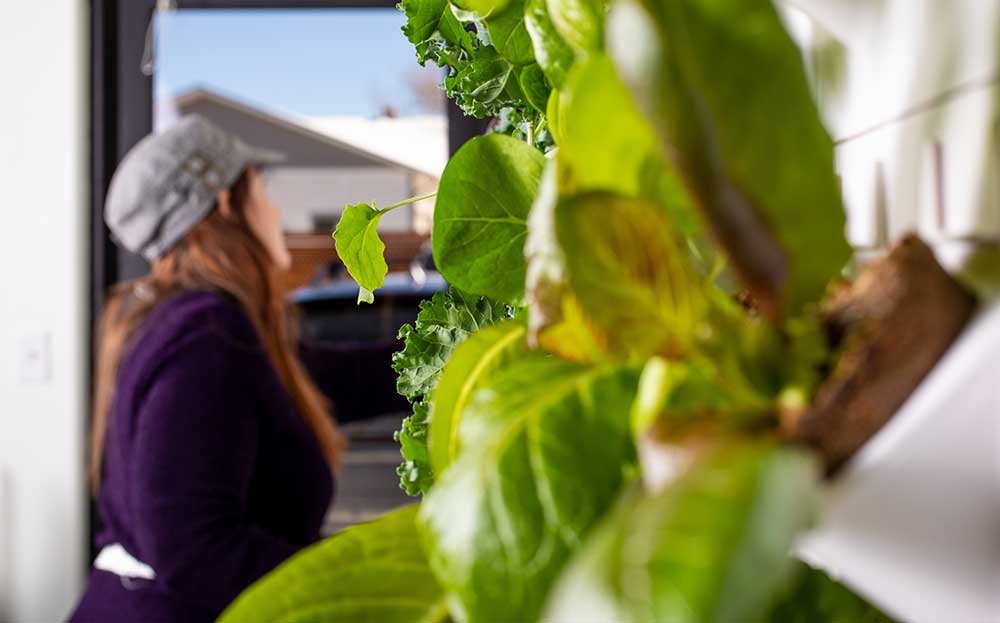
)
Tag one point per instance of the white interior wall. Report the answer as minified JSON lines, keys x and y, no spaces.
{"x":908,"y":89}
{"x":910,"y":522}
{"x":43,"y":282}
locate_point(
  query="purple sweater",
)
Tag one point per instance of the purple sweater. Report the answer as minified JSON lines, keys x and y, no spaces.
{"x":211,"y":476}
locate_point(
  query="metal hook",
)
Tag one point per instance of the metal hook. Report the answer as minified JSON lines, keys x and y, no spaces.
{"x":148,"y":53}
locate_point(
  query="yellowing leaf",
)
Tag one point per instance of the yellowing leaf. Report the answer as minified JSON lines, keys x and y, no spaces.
{"x":630,"y":274}
{"x":725,"y":89}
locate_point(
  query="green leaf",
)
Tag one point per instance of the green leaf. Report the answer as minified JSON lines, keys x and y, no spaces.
{"x":605,"y":142}
{"x":724,"y":86}
{"x":658,"y":380}
{"x":442,"y":324}
{"x":360,"y":248}
{"x":479,"y":10}
{"x":479,"y":219}
{"x":430,"y":24}
{"x":416,"y":475}
{"x":552,"y":52}
{"x":534,"y":86}
{"x":714,"y":546}
{"x":815,"y":597}
{"x":627,"y":268}
{"x":479,"y":84}
{"x":509,"y":35}
{"x":479,"y":79}
{"x":374,"y":572}
{"x":589,"y":590}
{"x":469,"y":366}
{"x":556,"y":321}
{"x":552,"y":114}
{"x":544,"y":445}
{"x":546,"y":265}
{"x":423,"y":18}
{"x":580,"y":22}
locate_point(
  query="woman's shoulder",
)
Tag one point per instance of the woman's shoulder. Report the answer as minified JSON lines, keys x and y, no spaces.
{"x":187,"y":321}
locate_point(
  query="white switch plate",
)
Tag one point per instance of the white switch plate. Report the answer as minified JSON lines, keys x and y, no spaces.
{"x":35,"y":358}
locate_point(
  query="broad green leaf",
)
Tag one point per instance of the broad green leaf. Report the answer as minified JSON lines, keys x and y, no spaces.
{"x":630,"y":273}
{"x":815,"y":597}
{"x":543,"y":448}
{"x":509,"y":35}
{"x":534,"y":86}
{"x":470,"y":365}
{"x":714,"y":546}
{"x":483,"y":201}
{"x":589,"y":590}
{"x":373,"y":572}
{"x":553,"y":53}
{"x":479,"y":10}
{"x":724,"y":86}
{"x":442,"y":324}
{"x":605,"y":142}
{"x":360,"y":248}
{"x":580,"y":22}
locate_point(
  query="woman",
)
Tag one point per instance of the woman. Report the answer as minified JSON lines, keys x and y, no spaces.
{"x":213,"y":451}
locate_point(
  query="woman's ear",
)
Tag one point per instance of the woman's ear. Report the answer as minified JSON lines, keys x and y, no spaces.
{"x":222,"y":200}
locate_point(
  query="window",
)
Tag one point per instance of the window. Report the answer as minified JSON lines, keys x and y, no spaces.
{"x":338,"y":91}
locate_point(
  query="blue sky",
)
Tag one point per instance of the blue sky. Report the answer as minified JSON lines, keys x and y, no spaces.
{"x":311,"y":62}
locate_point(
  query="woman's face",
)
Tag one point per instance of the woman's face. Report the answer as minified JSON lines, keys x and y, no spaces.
{"x":264,"y":219}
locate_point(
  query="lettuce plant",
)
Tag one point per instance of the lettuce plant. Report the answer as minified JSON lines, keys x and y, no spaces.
{"x":637,"y":256}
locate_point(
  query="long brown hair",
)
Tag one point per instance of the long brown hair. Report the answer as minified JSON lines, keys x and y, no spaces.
{"x":219,"y":254}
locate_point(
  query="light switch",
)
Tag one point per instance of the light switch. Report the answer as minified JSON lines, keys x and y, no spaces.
{"x":35,"y":358}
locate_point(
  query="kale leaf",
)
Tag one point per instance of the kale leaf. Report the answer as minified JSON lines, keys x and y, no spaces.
{"x":443,"y":323}
{"x":483,"y":66}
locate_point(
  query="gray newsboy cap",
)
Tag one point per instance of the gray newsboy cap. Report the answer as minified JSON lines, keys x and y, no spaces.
{"x":168,"y":183}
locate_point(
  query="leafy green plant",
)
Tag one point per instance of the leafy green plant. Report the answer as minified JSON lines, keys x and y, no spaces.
{"x":371,"y":572}
{"x":443,"y":323}
{"x":360,"y":247}
{"x":653,"y":160}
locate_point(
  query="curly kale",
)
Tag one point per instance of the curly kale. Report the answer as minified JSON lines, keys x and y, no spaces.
{"x":443,"y":323}
{"x":484,"y":76}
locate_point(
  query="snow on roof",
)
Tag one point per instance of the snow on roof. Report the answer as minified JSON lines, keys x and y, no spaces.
{"x":419,"y":142}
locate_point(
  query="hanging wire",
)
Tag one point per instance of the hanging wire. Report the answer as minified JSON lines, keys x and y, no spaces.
{"x":148,"y":63}
{"x":930,"y":103}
